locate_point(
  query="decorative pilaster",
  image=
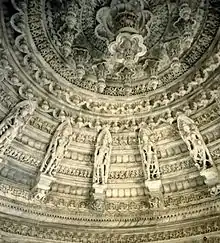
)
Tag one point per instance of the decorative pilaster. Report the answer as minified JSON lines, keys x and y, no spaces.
{"x":150,"y":164}
{"x":14,"y":123}
{"x":55,"y":153}
{"x":199,"y":152}
{"x":101,"y":169}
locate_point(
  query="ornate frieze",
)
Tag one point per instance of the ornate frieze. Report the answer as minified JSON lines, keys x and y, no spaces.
{"x":49,"y":233}
{"x":22,"y":157}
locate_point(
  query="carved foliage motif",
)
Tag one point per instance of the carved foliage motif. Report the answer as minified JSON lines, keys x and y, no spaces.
{"x":43,"y":232}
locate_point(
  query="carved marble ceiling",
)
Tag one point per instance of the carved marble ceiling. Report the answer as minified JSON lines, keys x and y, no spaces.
{"x":109,"y":126}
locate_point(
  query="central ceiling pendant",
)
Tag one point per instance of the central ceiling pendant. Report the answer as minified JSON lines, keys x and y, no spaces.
{"x":124,"y":26}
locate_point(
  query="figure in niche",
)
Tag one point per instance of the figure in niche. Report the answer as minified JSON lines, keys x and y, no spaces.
{"x":181,"y":32}
{"x":148,"y":154}
{"x":185,"y":21}
{"x":70,"y":29}
{"x":58,"y":145}
{"x":102,"y":157}
{"x":14,"y":122}
{"x":194,"y":141}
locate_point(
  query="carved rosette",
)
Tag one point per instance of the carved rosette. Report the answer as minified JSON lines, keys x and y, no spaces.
{"x":126,"y":49}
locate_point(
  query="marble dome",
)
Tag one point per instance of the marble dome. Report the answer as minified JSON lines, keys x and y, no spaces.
{"x":109,"y":121}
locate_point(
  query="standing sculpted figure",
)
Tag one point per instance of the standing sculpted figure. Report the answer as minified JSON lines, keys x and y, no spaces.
{"x":58,"y":145}
{"x":195,"y":143}
{"x":14,"y":122}
{"x":102,"y":157}
{"x":148,"y":154}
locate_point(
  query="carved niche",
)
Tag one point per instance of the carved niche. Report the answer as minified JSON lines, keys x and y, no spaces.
{"x":101,"y":168}
{"x":199,"y":152}
{"x":148,"y":151}
{"x":14,"y":123}
{"x":54,"y":155}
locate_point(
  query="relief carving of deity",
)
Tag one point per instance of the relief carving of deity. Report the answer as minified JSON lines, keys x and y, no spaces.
{"x":195,"y":143}
{"x":14,"y":122}
{"x":148,"y":153}
{"x":58,"y":145}
{"x":102,"y":157}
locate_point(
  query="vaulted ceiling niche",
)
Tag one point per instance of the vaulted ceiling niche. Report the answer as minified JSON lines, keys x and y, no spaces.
{"x":109,"y":121}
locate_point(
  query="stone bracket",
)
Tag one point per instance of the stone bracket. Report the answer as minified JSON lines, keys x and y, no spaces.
{"x":154,"y":186}
{"x":42,"y":186}
{"x":98,"y":197}
{"x":211,"y":176}
{"x":212,"y":180}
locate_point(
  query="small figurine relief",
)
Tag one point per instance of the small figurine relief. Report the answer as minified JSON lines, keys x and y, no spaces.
{"x":148,"y":154}
{"x":98,"y":205}
{"x":102,"y":157}
{"x":58,"y":145}
{"x":185,"y":21}
{"x":194,"y":141}
{"x":40,"y":195}
{"x":69,"y":31}
{"x":101,"y":170}
{"x":14,"y":122}
{"x":215,"y":191}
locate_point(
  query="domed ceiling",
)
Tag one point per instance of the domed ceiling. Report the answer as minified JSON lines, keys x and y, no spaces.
{"x":110,"y":128}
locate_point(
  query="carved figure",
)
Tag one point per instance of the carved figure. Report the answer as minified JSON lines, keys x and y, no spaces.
{"x":102,"y":157}
{"x":214,"y":191}
{"x":98,"y":205}
{"x":204,"y":101}
{"x":14,"y":122}
{"x":148,"y":154}
{"x":58,"y":145}
{"x":40,"y":195}
{"x":194,"y":141}
{"x":185,"y":15}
